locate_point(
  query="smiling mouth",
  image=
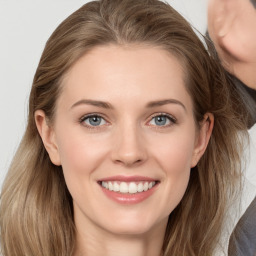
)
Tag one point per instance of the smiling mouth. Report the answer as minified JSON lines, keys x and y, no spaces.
{"x":128,"y":187}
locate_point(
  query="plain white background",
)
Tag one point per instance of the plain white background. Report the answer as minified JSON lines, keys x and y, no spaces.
{"x":24,"y":28}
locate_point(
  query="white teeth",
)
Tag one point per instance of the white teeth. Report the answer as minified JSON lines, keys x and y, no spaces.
{"x":110,"y":186}
{"x":105,"y":184}
{"x":124,"y":187}
{"x":116,"y":187}
{"x":128,"y":187}
{"x":133,"y":188}
{"x":140,"y":187}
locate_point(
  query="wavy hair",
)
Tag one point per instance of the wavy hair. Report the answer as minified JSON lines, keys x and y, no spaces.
{"x":36,"y":212}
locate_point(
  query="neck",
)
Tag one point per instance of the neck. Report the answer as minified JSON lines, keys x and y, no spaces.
{"x":97,"y":242}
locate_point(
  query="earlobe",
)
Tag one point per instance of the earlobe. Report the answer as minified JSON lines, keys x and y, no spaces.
{"x":203,"y":138}
{"x":48,"y":137}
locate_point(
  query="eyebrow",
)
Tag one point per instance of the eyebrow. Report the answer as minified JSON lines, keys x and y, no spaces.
{"x":96,"y":103}
{"x":165,"y":102}
{"x":106,"y":105}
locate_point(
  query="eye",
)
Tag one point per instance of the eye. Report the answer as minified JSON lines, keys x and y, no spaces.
{"x":93,"y":120}
{"x":162,"y":120}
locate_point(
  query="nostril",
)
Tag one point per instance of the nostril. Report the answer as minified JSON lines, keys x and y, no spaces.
{"x":129,"y":149}
{"x":128,"y":162}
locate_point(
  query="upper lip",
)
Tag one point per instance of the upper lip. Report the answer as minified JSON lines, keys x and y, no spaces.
{"x":128,"y":178}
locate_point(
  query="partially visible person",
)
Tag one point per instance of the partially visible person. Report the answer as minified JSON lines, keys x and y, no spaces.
{"x":232,"y":27}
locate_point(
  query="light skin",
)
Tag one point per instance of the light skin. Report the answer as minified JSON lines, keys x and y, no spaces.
{"x":232,"y":27}
{"x":127,"y":88}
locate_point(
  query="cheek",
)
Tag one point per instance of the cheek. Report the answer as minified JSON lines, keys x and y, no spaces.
{"x":176,"y":162}
{"x":80,"y":154}
{"x":174,"y":156}
{"x":174,"y":152}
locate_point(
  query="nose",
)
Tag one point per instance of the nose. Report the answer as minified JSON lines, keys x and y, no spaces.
{"x":129,"y":147}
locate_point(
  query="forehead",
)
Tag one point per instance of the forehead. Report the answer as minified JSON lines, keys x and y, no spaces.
{"x":126,"y":72}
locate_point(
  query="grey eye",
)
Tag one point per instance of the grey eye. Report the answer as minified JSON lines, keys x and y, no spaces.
{"x":94,"y":121}
{"x":160,"y":120}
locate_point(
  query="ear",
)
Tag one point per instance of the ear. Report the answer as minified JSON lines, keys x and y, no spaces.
{"x":231,"y":24}
{"x":237,"y":36}
{"x":221,"y":15}
{"x":203,"y":138}
{"x":48,"y":136}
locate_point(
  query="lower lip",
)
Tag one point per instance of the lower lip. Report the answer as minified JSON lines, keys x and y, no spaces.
{"x":129,"y":198}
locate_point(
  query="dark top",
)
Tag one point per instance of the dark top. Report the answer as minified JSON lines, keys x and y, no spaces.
{"x":242,"y":241}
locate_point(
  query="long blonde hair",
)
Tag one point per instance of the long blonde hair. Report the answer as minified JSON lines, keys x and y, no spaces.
{"x":36,"y":212}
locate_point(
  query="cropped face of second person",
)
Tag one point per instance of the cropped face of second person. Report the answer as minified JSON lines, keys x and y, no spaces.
{"x":125,"y":135}
{"x":231,"y":26}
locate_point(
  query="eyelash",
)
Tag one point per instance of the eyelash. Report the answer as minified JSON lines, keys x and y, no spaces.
{"x":171,"y":119}
{"x":83,"y":118}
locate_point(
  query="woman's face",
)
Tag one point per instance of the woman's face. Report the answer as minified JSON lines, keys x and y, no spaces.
{"x":126,"y":138}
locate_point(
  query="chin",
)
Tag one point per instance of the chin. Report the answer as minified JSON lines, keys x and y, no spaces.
{"x":135,"y":227}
